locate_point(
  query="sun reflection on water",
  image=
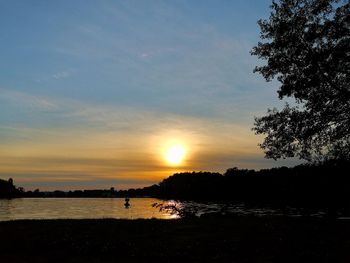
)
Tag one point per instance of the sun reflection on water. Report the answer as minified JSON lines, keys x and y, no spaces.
{"x":78,"y":208}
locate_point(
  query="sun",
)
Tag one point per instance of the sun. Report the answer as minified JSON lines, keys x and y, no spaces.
{"x":175,"y":154}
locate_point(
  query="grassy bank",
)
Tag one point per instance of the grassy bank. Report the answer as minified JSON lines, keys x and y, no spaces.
{"x":240,"y":239}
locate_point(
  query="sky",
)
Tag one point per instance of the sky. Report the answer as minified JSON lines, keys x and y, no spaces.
{"x":94,"y":93}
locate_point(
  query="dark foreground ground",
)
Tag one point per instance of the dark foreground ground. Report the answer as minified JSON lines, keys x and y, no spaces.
{"x":238,"y":239}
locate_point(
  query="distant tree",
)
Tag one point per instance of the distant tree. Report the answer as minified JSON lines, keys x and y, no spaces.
{"x":307,"y":47}
{"x":8,"y":190}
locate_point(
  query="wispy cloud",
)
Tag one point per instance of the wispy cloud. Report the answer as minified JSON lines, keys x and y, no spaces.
{"x":117,"y":141}
{"x":99,"y":95}
{"x":157,"y":52}
{"x":57,"y":75}
{"x":31,"y":101}
{"x":61,"y":75}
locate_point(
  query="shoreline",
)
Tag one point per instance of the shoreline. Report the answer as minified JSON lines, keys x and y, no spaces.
{"x":211,"y":239}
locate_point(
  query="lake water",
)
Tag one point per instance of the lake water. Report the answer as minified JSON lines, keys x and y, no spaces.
{"x":80,"y":208}
{"x":59,"y":208}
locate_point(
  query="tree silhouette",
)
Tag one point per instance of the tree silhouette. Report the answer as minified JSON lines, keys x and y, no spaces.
{"x":307,"y":47}
{"x":8,"y":190}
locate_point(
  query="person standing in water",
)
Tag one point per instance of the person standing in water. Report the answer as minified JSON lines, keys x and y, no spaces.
{"x":126,"y":204}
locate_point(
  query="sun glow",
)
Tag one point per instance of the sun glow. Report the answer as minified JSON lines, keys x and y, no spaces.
{"x":175,"y":154}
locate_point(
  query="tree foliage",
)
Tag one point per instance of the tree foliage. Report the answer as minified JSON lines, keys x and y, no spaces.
{"x":306,"y":44}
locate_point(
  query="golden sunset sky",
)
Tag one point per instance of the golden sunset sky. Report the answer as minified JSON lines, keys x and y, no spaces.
{"x":94,"y":94}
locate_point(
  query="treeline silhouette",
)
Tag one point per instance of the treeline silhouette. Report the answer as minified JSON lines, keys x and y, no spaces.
{"x":326,"y":185}
{"x":77,"y":193}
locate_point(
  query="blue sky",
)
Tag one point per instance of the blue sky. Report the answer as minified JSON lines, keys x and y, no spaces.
{"x":91,"y":91}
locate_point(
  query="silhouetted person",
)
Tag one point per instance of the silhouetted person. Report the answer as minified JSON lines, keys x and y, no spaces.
{"x":126,"y":204}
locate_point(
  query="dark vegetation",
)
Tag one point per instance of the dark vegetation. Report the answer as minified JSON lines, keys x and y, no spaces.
{"x":325,"y":185}
{"x":306,"y":45}
{"x":108,"y":193}
{"x":235,"y":239}
{"x":297,"y":185}
{"x":8,"y":190}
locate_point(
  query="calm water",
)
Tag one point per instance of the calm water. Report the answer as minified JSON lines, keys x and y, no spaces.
{"x":54,"y":208}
